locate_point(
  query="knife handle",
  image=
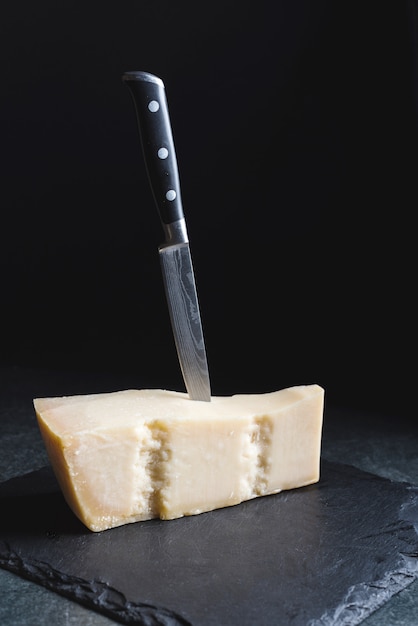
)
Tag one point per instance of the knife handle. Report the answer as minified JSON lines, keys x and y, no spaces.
{"x":148,"y":93}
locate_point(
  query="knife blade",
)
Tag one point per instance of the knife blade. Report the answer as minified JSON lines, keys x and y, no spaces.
{"x":150,"y":102}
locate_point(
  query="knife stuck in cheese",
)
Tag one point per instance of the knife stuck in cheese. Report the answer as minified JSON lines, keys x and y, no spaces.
{"x":134,"y":455}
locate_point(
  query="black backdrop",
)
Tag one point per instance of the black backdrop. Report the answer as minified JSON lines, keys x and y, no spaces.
{"x":296,"y":132}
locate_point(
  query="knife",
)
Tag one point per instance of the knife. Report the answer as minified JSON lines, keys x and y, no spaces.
{"x":148,"y":93}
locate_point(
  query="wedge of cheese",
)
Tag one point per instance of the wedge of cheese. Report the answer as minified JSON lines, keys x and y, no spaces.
{"x":134,"y":455}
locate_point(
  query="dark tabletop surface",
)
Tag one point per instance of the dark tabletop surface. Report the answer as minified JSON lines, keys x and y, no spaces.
{"x":378,"y":444}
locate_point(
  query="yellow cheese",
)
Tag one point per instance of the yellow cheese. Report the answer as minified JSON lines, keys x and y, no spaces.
{"x":134,"y":455}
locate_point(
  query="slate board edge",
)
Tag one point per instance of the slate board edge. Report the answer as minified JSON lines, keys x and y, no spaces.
{"x":361,"y":601}
{"x":104,"y":599}
{"x":91,"y":594}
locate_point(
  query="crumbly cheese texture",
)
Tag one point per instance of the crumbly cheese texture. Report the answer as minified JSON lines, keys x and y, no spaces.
{"x":134,"y":455}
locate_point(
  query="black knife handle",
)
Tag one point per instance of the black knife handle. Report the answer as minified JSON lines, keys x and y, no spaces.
{"x":148,"y":93}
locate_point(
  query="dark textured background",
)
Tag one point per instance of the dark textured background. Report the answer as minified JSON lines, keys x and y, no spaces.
{"x":296,"y":132}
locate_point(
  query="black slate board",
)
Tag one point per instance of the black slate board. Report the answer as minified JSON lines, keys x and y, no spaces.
{"x":326,"y":554}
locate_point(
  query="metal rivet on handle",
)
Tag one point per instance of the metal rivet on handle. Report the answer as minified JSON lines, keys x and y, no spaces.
{"x":153,"y":106}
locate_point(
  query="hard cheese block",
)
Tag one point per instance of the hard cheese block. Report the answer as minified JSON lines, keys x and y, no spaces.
{"x":134,"y":455}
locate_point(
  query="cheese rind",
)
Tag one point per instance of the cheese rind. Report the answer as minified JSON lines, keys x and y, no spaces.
{"x":133,"y":455}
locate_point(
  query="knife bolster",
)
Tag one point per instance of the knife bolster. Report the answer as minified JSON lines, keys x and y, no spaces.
{"x":175,"y":232}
